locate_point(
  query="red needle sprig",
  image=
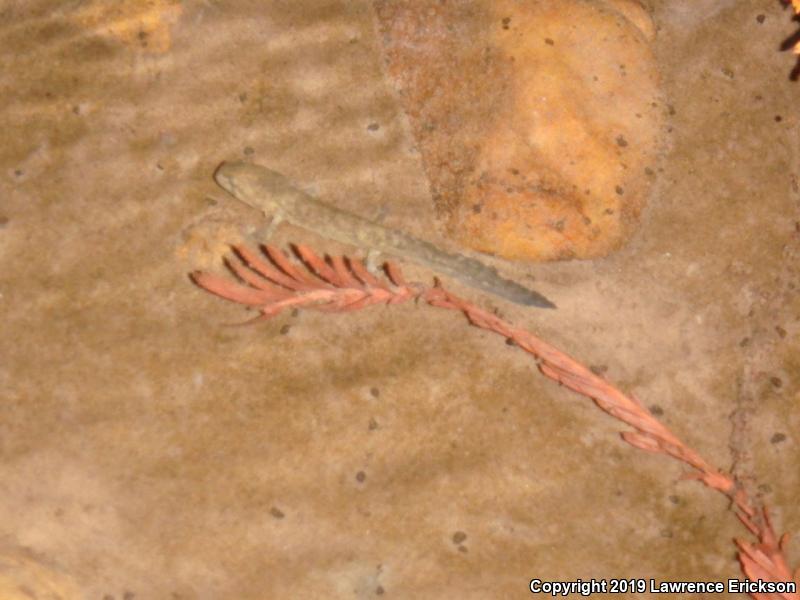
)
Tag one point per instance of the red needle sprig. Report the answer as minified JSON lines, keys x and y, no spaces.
{"x":272,"y":282}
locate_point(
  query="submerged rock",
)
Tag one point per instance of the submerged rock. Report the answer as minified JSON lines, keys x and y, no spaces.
{"x":537,"y":122}
{"x":23,"y":578}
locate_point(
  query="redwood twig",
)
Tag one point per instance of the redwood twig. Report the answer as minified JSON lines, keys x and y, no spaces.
{"x":272,"y":282}
{"x":340,"y":284}
{"x":765,"y":560}
{"x":793,"y":41}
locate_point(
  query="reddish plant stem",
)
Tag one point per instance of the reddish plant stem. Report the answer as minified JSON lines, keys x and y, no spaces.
{"x":762,"y":560}
{"x":339,"y":284}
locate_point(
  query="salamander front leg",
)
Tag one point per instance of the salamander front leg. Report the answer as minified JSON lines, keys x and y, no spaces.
{"x":265,"y":232}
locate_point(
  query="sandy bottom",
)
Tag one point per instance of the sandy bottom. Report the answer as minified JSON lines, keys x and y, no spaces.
{"x":149,"y":451}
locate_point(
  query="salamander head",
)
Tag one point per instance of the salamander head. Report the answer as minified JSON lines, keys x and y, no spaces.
{"x":253,"y":184}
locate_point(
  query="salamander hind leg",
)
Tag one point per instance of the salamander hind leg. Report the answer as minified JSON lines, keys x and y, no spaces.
{"x":372,"y":262}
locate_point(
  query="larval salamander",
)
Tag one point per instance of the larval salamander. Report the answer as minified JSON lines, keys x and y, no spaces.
{"x":272,"y":193}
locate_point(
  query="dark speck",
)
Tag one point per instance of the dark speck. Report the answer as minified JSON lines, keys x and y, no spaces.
{"x":674,"y":499}
{"x":777,"y":438}
{"x":559,"y":226}
{"x":373,"y":127}
{"x":744,"y":342}
{"x":276,"y":512}
{"x":248,"y":151}
{"x":3,"y":221}
{"x":285,"y":329}
{"x":656,"y":410}
{"x":728,"y":72}
{"x":374,"y":392}
{"x":128,"y":596}
{"x":621,"y":141}
{"x":778,"y":118}
{"x":671,"y":109}
{"x":598,"y":369}
{"x":779,"y":330}
{"x":776,"y":382}
{"x":373,"y":424}
{"x":506,"y":22}
{"x":761,"y":18}
{"x":549,"y":42}
{"x":619,"y":190}
{"x":361,"y":477}
{"x":243,"y":97}
{"x":510,"y":342}
{"x":476,"y":208}
{"x":649,"y":171}
{"x":19,"y":172}
{"x":295,"y":312}
{"x":379,"y":590}
{"x":459,"y":537}
{"x":463,"y":549}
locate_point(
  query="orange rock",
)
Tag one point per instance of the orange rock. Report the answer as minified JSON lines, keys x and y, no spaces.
{"x":536,"y":120}
{"x":139,"y":24}
{"x":23,"y":578}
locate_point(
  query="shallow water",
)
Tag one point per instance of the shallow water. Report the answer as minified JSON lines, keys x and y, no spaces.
{"x":148,"y":451}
